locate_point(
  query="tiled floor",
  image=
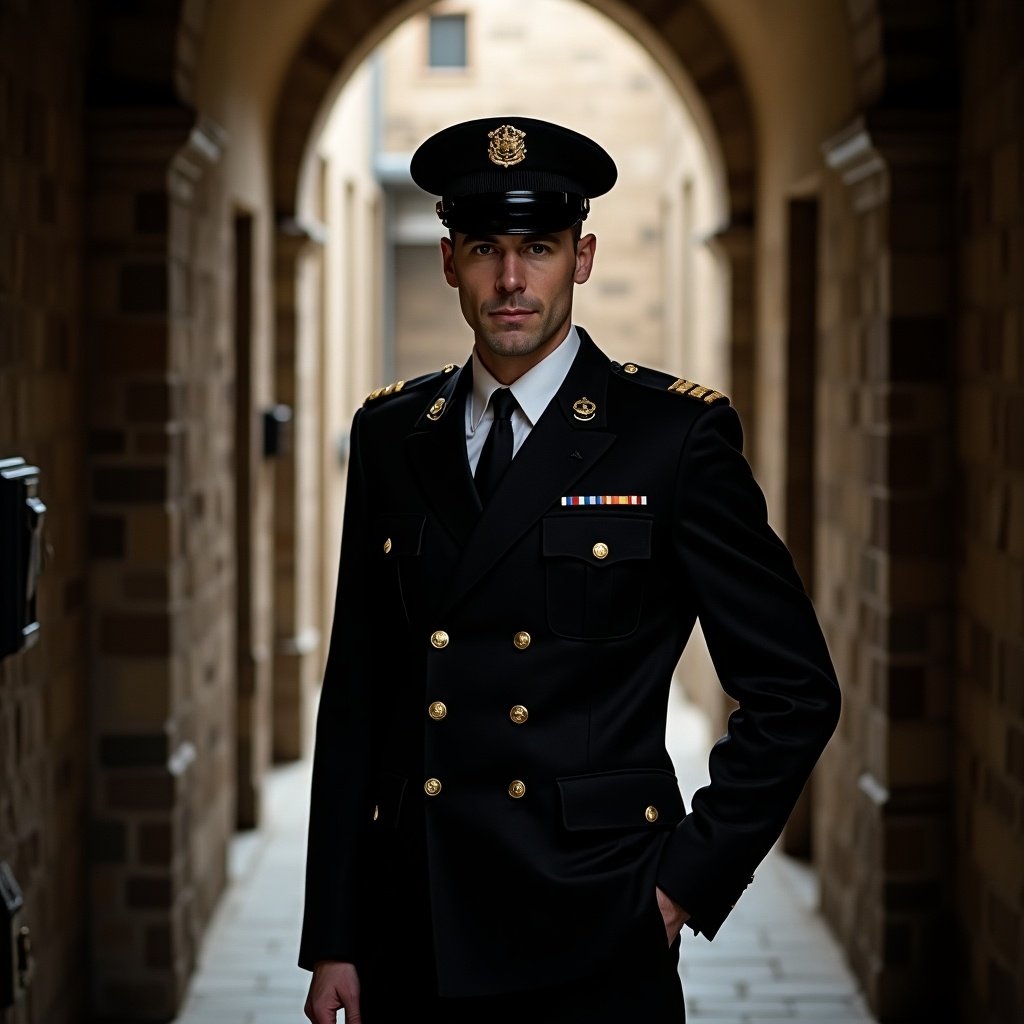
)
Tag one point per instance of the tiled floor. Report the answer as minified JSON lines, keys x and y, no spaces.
{"x":773,"y":959}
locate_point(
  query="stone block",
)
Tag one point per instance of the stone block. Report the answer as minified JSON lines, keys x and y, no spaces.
{"x":146,"y":892}
{"x":132,"y":751}
{"x":151,"y":213}
{"x":135,"y":635}
{"x":108,"y":843}
{"x":147,"y":586}
{"x":159,"y":946}
{"x":1006,"y":183}
{"x":106,"y":442}
{"x":909,"y":849}
{"x":154,"y":534}
{"x":139,"y":791}
{"x":918,"y":754}
{"x":130,"y":484}
{"x":154,"y":443}
{"x":154,"y":842}
{"x":146,"y":999}
{"x":143,"y":288}
{"x":106,"y":536}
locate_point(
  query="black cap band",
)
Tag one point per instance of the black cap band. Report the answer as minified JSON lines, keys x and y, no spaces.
{"x":519,"y":212}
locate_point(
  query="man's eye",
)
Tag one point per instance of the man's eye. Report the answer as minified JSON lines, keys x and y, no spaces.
{"x":538,"y":249}
{"x":483,"y":250}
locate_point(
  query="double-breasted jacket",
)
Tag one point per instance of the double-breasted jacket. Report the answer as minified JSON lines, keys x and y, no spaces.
{"x":491,"y":732}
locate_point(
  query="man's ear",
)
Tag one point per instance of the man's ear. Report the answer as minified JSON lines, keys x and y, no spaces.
{"x":585,"y":251}
{"x":448,"y":262}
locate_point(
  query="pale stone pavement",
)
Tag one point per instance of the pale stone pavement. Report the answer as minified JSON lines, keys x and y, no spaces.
{"x":773,"y":960}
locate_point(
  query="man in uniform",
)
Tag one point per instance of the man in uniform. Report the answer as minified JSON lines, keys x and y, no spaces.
{"x":496,"y":832}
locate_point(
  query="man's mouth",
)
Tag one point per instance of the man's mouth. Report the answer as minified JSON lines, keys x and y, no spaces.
{"x":511,"y":313}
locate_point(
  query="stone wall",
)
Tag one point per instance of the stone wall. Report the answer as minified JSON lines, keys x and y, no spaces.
{"x":989,"y":397}
{"x":43,"y":747}
{"x":159,"y":386}
{"x":883,"y":577}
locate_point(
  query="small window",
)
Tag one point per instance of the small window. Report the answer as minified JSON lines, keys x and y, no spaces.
{"x":447,"y":46}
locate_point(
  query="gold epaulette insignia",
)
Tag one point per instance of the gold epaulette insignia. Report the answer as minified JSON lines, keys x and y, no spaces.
{"x":681,"y":386}
{"x":391,"y":389}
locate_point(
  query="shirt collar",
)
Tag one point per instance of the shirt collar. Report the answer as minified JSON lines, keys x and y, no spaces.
{"x":534,"y":390}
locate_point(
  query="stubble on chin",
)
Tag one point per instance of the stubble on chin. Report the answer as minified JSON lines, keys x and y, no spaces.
{"x":511,"y":343}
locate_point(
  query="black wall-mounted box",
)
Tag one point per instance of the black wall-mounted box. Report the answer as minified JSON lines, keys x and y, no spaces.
{"x":22,"y":514}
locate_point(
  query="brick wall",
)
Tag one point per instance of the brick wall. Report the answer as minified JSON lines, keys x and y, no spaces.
{"x":989,"y":740}
{"x":43,"y":747}
{"x":160,"y":383}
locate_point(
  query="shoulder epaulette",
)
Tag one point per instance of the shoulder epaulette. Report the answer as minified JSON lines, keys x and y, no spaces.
{"x":681,"y":386}
{"x":408,"y":385}
{"x":666,"y":382}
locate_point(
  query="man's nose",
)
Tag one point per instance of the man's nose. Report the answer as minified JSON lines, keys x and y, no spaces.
{"x":511,"y":277}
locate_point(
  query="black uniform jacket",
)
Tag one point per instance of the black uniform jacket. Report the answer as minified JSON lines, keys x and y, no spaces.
{"x":491,"y":732}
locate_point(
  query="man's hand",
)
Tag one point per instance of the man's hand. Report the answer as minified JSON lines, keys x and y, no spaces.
{"x":335,"y":986}
{"x":672,"y":914}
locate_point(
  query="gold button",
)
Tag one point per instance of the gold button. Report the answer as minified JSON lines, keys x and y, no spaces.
{"x":600,"y":549}
{"x":519,"y":714}
{"x":439,"y":638}
{"x":517,"y":789}
{"x":432,"y":787}
{"x":376,"y":812}
{"x":387,"y":546}
{"x":631,"y":367}
{"x":521,"y":640}
{"x":437,"y":710}
{"x":651,"y":814}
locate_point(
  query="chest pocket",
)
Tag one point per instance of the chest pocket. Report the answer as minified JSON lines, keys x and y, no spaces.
{"x":398,"y":538}
{"x":595,"y":568}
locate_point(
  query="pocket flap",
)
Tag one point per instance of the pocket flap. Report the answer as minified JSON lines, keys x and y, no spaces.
{"x":636,"y":798}
{"x":400,"y":534}
{"x":598,"y":540}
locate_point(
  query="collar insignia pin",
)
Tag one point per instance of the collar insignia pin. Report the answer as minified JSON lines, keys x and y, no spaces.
{"x":506,"y":147}
{"x":435,"y":410}
{"x":584,"y":409}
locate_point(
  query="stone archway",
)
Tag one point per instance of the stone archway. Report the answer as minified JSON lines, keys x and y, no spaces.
{"x":159,"y":793}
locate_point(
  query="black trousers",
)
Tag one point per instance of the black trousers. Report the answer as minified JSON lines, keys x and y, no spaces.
{"x":636,"y":993}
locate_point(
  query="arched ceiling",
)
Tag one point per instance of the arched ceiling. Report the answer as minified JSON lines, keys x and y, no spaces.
{"x":755,"y":75}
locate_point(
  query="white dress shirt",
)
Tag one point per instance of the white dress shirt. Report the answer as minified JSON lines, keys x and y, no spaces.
{"x":533,"y":391}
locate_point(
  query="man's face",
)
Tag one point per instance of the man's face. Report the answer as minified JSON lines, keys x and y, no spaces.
{"x":516,"y":292}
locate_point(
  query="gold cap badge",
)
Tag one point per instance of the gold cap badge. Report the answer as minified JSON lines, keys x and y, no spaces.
{"x":584,"y":409}
{"x":506,"y":147}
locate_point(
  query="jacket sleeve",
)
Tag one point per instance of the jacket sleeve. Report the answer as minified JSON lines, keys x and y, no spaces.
{"x":771,"y":658}
{"x":338,"y":796}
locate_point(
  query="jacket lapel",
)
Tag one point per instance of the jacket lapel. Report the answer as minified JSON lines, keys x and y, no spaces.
{"x":560,"y":449}
{"x":437,"y":453}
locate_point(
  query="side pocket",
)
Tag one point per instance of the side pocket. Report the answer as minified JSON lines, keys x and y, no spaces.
{"x":388,"y":793}
{"x":640,"y":798}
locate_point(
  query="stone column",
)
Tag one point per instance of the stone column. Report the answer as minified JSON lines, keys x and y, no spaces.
{"x":158,"y":394}
{"x":884,"y":582}
{"x":735,"y":244}
{"x":297,"y":650}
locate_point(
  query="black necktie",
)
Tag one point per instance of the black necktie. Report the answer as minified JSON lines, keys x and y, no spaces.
{"x":497,"y":453}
